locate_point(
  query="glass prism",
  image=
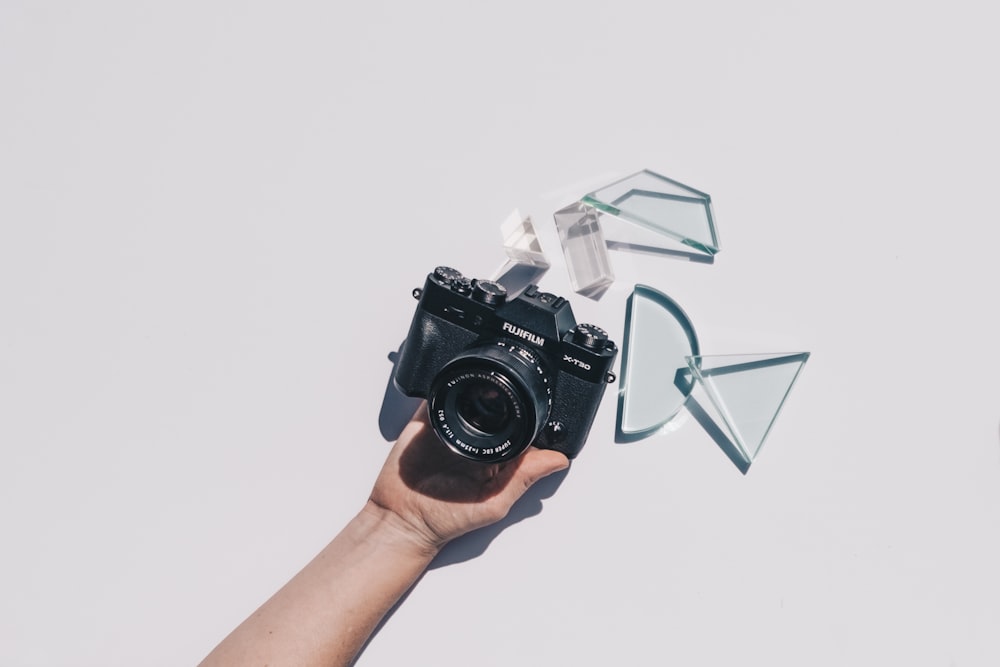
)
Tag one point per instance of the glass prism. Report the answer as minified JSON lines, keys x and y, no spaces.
{"x":520,"y":241}
{"x":526,"y":262}
{"x":662,"y":205}
{"x":747,"y":392}
{"x":584,"y":248}
{"x":659,"y":338}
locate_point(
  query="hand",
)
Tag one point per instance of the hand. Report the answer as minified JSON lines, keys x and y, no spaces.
{"x":435,"y":495}
{"x":424,"y":496}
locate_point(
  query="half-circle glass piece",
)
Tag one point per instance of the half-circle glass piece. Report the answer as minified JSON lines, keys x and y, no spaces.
{"x":659,"y":338}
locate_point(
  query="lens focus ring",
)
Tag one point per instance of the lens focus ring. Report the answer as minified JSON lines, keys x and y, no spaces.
{"x":490,"y":402}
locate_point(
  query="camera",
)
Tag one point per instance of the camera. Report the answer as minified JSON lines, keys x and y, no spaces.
{"x":500,"y":374}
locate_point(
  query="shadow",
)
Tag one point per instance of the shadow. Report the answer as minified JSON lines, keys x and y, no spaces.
{"x":757,"y":364}
{"x":661,"y":252}
{"x":432,"y":470}
{"x":516,"y":277}
{"x":595,"y":293}
{"x":474,"y":544}
{"x":727,"y":446}
{"x":397,"y":408}
{"x":622,"y":437}
{"x":684,"y":380}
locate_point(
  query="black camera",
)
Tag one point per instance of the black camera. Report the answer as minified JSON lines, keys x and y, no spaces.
{"x":500,"y":374}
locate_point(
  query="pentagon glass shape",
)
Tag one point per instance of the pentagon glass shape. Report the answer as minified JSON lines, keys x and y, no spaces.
{"x":747,"y":392}
{"x":584,"y":248}
{"x":663,"y":206}
{"x":659,"y":338}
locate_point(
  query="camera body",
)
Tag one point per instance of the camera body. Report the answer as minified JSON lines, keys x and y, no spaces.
{"x":500,"y":375}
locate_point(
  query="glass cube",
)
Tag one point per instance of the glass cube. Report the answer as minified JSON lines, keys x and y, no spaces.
{"x":584,"y":248}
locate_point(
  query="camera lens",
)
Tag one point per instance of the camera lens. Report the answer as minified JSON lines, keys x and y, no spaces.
{"x":490,"y":402}
{"x":483,"y":406}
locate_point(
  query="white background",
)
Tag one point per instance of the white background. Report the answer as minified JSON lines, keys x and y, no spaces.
{"x":211,"y":218}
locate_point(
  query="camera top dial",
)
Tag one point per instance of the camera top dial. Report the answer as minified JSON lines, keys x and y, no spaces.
{"x":590,"y":336}
{"x":489,"y":292}
{"x":447,"y":275}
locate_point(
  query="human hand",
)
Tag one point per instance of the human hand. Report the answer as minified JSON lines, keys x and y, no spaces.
{"x":434,"y":495}
{"x":424,"y":496}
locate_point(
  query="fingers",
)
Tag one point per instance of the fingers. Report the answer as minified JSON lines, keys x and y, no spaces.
{"x":420,"y":414}
{"x":539,"y":463}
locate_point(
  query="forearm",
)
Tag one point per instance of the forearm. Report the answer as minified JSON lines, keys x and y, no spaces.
{"x":326,"y":612}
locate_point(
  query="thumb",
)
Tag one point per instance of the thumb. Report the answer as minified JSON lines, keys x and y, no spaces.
{"x":539,"y":463}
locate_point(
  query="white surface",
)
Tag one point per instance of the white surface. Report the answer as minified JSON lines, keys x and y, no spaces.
{"x":212,"y":215}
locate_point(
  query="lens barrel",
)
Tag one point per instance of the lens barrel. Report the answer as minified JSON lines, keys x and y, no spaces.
{"x":490,"y":402}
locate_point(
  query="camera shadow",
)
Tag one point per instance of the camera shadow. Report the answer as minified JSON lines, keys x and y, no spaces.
{"x":516,"y":277}
{"x":397,"y":408}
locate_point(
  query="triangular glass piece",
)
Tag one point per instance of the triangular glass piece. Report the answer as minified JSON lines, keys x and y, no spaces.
{"x":526,"y":261}
{"x":659,"y":338}
{"x":520,"y":241}
{"x":707,"y":415}
{"x":747,"y":392}
{"x":659,"y":204}
{"x":584,"y":248}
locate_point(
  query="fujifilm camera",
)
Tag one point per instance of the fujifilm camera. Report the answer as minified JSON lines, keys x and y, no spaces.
{"x":500,"y":374}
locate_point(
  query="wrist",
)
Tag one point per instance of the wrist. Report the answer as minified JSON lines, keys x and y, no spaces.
{"x":393,"y":531}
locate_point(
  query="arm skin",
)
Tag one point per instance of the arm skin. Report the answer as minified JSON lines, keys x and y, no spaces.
{"x":424,"y":497}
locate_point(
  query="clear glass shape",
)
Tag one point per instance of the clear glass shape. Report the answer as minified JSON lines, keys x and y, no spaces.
{"x":584,"y":248}
{"x":662,"y":205}
{"x":520,"y":241}
{"x":526,"y":261}
{"x":659,"y":338}
{"x":747,"y":392}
